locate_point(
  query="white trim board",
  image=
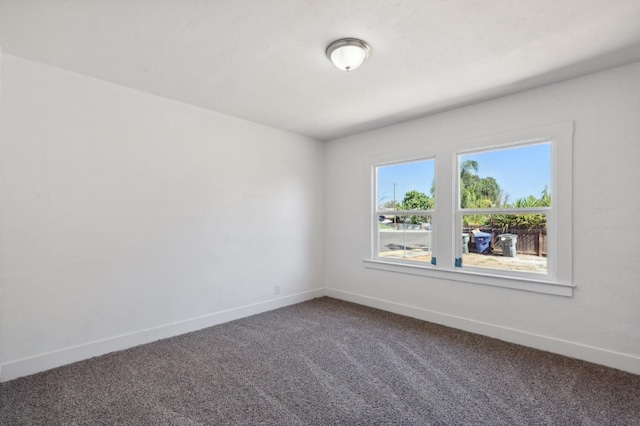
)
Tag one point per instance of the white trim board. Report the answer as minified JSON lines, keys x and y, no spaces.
{"x":625,"y":362}
{"x":24,"y":367}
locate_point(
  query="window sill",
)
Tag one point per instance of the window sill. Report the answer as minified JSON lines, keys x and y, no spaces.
{"x":473,"y":277}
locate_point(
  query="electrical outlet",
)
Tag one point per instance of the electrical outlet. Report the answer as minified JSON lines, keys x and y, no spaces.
{"x":277,"y":289}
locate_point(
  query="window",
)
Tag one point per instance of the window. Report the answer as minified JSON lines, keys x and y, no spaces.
{"x":504,"y":204}
{"x":503,"y":215}
{"x":404,"y":211}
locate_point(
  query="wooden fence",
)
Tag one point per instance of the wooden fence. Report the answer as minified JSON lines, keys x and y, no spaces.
{"x":530,"y":241}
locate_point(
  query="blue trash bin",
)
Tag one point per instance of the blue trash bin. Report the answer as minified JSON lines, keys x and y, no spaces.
{"x":483,"y":242}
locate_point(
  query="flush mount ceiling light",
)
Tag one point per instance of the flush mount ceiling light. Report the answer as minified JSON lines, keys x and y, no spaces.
{"x":348,"y":53}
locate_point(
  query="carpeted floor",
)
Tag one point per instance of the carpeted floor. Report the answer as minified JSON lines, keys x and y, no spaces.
{"x":326,"y":362}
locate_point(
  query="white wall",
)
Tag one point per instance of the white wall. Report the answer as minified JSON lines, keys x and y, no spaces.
{"x":128,"y":217}
{"x":601,"y":322}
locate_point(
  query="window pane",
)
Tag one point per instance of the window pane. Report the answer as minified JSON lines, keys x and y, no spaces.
{"x":505,"y":242}
{"x":405,"y":237}
{"x":406,"y":186}
{"x":514,"y":177}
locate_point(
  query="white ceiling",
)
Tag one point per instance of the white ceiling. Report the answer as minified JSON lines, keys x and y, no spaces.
{"x":264,"y":60}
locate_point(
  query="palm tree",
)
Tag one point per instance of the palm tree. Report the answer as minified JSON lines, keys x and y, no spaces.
{"x":545,"y":199}
{"x":467,"y":169}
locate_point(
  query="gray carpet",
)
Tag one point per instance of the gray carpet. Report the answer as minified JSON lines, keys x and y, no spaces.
{"x":326,"y":362}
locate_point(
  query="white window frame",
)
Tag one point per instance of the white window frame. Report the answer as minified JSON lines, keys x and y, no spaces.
{"x":446,"y":221}
{"x":377,"y":212}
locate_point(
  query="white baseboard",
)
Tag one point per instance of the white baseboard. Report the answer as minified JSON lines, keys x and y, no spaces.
{"x":36,"y":364}
{"x":24,"y":367}
{"x":625,"y":362}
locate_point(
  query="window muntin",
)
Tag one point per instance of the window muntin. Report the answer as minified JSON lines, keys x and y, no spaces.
{"x":504,"y":199}
{"x":403,"y":215}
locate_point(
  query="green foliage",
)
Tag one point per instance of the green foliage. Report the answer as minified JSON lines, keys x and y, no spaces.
{"x":524,"y":221}
{"x":477,"y":192}
{"x":468,"y":170}
{"x":487,"y":189}
{"x":476,"y":220}
{"x":416,"y":200}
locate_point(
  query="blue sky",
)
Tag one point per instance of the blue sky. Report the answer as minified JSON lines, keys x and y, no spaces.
{"x":407,"y":177}
{"x":520,"y":172}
